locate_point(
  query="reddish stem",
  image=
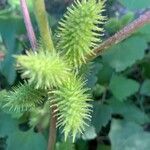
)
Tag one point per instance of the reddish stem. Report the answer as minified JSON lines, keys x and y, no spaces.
{"x":28,"y":24}
{"x":121,"y":35}
{"x":52,"y":131}
{"x":32,"y":39}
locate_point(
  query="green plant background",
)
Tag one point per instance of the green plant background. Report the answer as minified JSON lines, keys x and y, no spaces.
{"x":120,"y":82}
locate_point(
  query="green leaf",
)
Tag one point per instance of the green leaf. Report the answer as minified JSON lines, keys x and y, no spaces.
{"x":17,"y":139}
{"x":92,"y":75}
{"x":127,"y":18}
{"x":9,"y":30}
{"x":101,"y":115}
{"x":129,"y":111}
{"x":122,"y":87}
{"x":7,"y":125}
{"x":98,"y":90}
{"x":105,"y":74}
{"x":81,"y":145}
{"x":112,"y":25}
{"x":89,"y":133}
{"x":26,"y":141}
{"x":145,"y":32}
{"x":134,"y":4}
{"x":16,"y":3}
{"x":65,"y":146}
{"x":103,"y":147}
{"x":128,"y":136}
{"x":115,"y":24}
{"x":145,"y":67}
{"x":145,"y":88}
{"x":125,"y":54}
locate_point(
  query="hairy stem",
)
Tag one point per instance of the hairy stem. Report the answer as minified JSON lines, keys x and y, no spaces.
{"x":52,"y":131}
{"x":47,"y":42}
{"x":28,"y":24}
{"x":45,"y":31}
{"x":121,"y":35}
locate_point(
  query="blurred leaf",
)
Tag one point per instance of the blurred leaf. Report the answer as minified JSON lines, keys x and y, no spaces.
{"x":17,"y":139}
{"x":81,"y":145}
{"x":103,"y":147}
{"x":115,"y":24}
{"x":128,"y":136}
{"x":7,"y":125}
{"x":101,"y":115}
{"x":92,"y":76}
{"x":127,"y":18}
{"x":134,"y":4}
{"x":145,"y":32}
{"x":9,"y":30}
{"x":104,"y":75}
{"x":16,"y":3}
{"x":89,"y":133}
{"x":65,"y":146}
{"x":125,"y":54}
{"x":26,"y":141}
{"x":129,"y":111}
{"x":145,"y":88}
{"x":122,"y":87}
{"x":98,"y":90}
{"x":145,"y":65}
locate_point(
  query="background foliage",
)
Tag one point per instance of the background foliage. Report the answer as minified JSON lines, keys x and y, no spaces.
{"x":120,"y":83}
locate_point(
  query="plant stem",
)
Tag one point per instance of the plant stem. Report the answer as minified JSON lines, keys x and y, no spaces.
{"x":121,"y":35}
{"x":45,"y":31}
{"x":32,"y":39}
{"x":28,"y":24}
{"x":52,"y":131}
{"x":47,"y":42}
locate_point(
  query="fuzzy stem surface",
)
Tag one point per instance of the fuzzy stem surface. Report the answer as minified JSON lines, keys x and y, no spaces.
{"x":52,"y":131}
{"x":121,"y":35}
{"x":45,"y":31}
{"x":28,"y":24}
